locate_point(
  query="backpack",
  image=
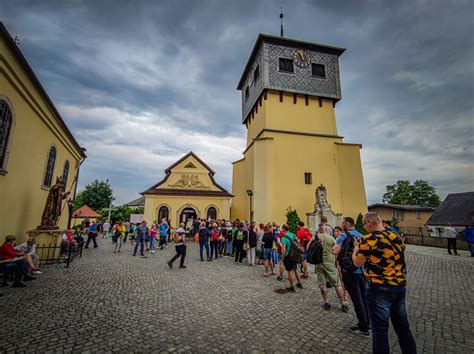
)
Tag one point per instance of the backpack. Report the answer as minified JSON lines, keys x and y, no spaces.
{"x":296,"y":251}
{"x":215,"y":235}
{"x":240,"y":235}
{"x":315,"y":251}
{"x":345,"y":256}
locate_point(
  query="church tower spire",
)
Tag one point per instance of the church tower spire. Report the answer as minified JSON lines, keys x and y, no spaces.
{"x":281,"y":21}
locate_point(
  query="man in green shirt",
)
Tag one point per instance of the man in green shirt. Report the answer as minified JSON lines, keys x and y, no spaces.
{"x":290,"y":265}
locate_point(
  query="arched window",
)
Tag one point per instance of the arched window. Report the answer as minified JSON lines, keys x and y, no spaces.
{"x":48,"y":176}
{"x":212,"y":213}
{"x":6,"y":122}
{"x":66,"y":171}
{"x":163,"y":213}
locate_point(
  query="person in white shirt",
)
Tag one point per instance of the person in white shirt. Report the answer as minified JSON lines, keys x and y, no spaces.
{"x":105,"y":229}
{"x":450,"y":233}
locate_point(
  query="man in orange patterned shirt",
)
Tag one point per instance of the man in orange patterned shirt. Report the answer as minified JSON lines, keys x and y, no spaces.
{"x":381,"y":252}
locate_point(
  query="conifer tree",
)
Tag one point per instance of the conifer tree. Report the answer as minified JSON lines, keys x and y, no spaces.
{"x":292,"y":219}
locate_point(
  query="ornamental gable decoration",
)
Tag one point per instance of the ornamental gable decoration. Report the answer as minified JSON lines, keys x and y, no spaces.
{"x":189,"y":175}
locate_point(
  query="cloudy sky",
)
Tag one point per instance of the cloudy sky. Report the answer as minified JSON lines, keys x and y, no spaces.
{"x":141,"y":83}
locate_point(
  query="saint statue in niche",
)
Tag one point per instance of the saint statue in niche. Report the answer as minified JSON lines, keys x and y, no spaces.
{"x":322,"y":198}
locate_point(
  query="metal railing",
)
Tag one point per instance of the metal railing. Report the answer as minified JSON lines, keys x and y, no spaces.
{"x":61,"y":253}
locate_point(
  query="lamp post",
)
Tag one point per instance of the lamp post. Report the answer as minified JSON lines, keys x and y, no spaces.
{"x":70,"y":204}
{"x":250,"y":194}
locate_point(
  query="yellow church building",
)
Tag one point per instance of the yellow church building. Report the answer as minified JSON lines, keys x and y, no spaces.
{"x":289,"y":92}
{"x":188,"y":191}
{"x":36,"y":146}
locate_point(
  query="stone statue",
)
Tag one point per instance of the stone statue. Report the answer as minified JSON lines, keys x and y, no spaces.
{"x":321,"y":199}
{"x":52,"y":208}
{"x":182,"y":182}
{"x":196,"y":183}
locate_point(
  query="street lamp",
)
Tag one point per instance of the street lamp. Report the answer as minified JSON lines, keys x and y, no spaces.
{"x":70,"y":204}
{"x":250,"y":194}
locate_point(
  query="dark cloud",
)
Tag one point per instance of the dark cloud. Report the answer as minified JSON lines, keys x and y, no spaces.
{"x":162,"y":77}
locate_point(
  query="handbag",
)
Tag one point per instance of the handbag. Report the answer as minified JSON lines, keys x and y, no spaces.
{"x":196,"y":237}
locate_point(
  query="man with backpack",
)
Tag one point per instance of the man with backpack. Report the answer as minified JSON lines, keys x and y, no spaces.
{"x":291,"y":254}
{"x":240,"y":237}
{"x":326,"y":270}
{"x":352,"y":276}
{"x":304,"y":236}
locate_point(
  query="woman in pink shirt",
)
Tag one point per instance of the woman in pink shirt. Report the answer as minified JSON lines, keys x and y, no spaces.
{"x":153,"y":232}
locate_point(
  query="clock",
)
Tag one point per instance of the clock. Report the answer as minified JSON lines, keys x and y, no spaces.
{"x":301,"y":58}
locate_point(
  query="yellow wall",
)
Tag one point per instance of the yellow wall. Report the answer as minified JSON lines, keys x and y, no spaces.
{"x":408,"y":221}
{"x":275,"y":163}
{"x":35,"y":130}
{"x":177,"y":203}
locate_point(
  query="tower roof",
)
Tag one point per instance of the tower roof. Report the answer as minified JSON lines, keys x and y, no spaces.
{"x":289,"y":43}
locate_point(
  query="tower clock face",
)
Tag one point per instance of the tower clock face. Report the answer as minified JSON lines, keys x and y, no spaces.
{"x":301,"y":58}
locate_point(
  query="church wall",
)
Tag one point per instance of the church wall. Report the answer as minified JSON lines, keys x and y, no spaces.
{"x":300,"y":117}
{"x":239,"y":207}
{"x":352,"y":184}
{"x":35,"y":130}
{"x":177,"y":203}
{"x":292,"y":156}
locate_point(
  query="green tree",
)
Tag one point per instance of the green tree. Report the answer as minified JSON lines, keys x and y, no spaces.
{"x":97,"y":195}
{"x":360,"y":225}
{"x":419,"y":193}
{"x":292,"y":219}
{"x":120,"y":213}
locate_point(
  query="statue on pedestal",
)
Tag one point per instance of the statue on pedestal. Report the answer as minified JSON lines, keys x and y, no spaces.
{"x":52,"y":208}
{"x":322,"y":208}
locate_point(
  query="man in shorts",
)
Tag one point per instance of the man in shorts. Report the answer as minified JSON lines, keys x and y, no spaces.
{"x":326,"y":272}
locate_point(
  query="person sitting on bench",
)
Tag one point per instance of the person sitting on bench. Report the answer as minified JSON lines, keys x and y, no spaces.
{"x":22,"y":261}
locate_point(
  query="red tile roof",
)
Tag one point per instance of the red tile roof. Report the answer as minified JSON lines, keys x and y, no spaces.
{"x":85,"y":212}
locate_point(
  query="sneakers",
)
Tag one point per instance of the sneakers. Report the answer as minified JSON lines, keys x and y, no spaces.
{"x":35,"y":272}
{"x":28,"y":278}
{"x":182,"y":267}
{"x":170,"y":264}
{"x":299,"y":286}
{"x":326,"y":306}
{"x":279,"y":278}
{"x":152,"y":251}
{"x":355,"y":329}
{"x":291,"y":290}
{"x":345,"y":308}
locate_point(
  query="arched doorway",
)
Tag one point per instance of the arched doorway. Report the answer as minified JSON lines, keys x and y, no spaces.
{"x":163,"y":213}
{"x":186,"y":214}
{"x":211,"y":213}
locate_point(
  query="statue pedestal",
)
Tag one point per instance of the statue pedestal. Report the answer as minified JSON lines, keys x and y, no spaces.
{"x":50,"y":239}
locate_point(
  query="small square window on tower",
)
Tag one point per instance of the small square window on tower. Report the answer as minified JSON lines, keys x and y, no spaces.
{"x":286,"y":65}
{"x":308,"y":178}
{"x":318,"y":70}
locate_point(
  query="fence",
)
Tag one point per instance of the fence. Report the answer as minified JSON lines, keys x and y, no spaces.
{"x":434,"y":241}
{"x":59,"y":253}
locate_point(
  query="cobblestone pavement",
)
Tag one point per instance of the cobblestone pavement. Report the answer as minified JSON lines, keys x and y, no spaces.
{"x":115,"y":302}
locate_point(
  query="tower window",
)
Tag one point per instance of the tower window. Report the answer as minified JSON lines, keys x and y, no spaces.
{"x":318,"y":70}
{"x":286,"y":65}
{"x":308,"y":178}
{"x":256,"y":74}
{"x":247,"y":93}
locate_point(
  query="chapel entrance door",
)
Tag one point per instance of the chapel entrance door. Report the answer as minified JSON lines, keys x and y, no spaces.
{"x":187,"y":214}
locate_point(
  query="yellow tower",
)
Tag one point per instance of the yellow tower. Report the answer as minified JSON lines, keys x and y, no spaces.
{"x":289,"y":91}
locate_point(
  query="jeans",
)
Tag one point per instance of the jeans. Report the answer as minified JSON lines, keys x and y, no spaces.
{"x":356,"y":286}
{"x":215,"y":249}
{"x":276,"y":257}
{"x":388,"y":303}
{"x":452,"y":243}
{"x":119,"y":243}
{"x":471,"y":248}
{"x":239,"y":252}
{"x":203,"y":244}
{"x":180,"y":251}
{"x":152,"y":243}
{"x":141,"y":242}
{"x":251,"y":258}
{"x":229,"y":247}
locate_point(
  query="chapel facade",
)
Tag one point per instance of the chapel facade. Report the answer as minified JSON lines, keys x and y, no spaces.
{"x":188,"y":191}
{"x":289,"y":92}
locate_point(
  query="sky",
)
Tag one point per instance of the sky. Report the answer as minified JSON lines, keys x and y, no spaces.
{"x":141,"y":83}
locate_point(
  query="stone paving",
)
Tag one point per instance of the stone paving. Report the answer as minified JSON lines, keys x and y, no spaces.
{"x":118,"y":303}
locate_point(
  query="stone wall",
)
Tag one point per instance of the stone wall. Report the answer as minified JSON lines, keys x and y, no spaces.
{"x":434,"y":242}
